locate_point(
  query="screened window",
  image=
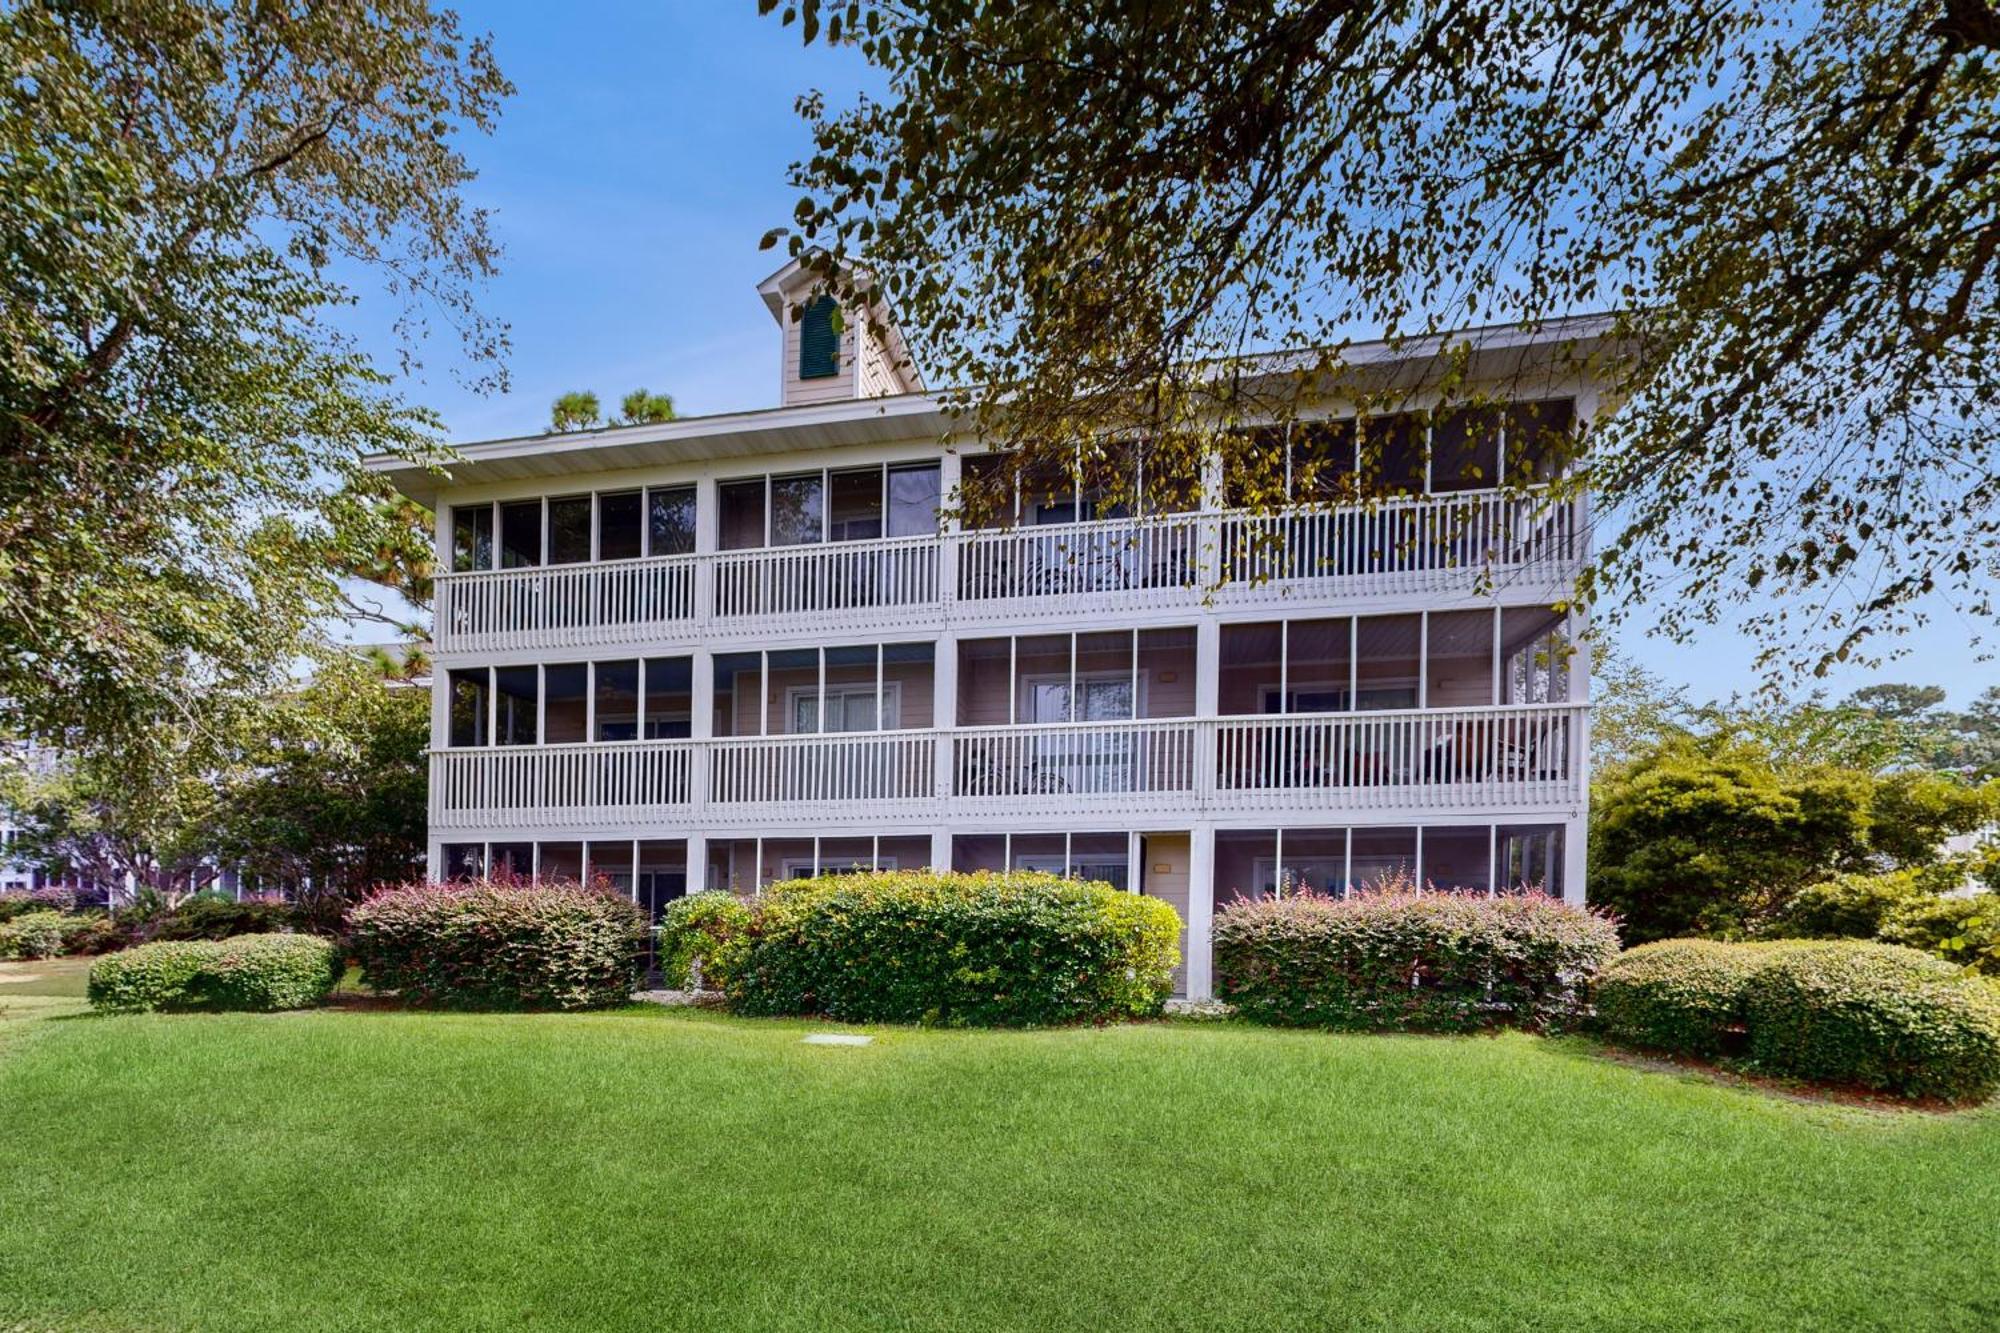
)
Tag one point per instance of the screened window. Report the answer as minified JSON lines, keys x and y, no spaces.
{"x":620,"y":526}
{"x":472,"y":537}
{"x":520,"y":534}
{"x":670,"y":520}
{"x":569,"y":530}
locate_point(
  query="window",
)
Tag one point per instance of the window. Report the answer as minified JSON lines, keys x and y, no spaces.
{"x":913,"y":500}
{"x":669,"y":698}
{"x":468,"y":707}
{"x":670,"y":520}
{"x":854,"y":505}
{"x":1535,"y":656}
{"x":516,"y":696}
{"x":617,"y":700}
{"x":1458,"y":672}
{"x":472,"y":537}
{"x":742,"y":513}
{"x":1465,"y":450}
{"x":566,"y":702}
{"x":569,"y":530}
{"x":1541,"y":439}
{"x":520,"y":534}
{"x":798,"y":509}
{"x":620,"y":534}
{"x":819,"y":339}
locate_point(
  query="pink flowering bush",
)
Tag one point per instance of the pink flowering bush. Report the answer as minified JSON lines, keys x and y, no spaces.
{"x":499,"y":943}
{"x":1407,"y":960}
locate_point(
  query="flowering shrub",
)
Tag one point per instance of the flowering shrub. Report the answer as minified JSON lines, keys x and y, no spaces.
{"x":500,"y":944}
{"x":935,"y":947}
{"x":20,"y":902}
{"x":256,"y":972}
{"x":32,"y":935}
{"x":1410,"y":961}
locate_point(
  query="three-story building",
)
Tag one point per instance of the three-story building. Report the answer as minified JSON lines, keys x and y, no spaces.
{"x":721,"y":651}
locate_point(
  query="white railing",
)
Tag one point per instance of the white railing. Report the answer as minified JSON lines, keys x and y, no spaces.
{"x":1077,"y":560}
{"x":1516,"y":757}
{"x":863,"y":767}
{"x":1443,"y":756}
{"x":1078,"y":759}
{"x":610,"y":601}
{"x":1425,"y":544}
{"x":1400,"y":545}
{"x":538,"y":785}
{"x":836,"y":576}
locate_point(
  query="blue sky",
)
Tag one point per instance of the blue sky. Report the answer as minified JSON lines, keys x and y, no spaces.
{"x":630,"y":178}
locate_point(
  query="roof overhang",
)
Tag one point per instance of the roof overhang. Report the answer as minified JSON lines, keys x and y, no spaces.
{"x":1547,"y":353}
{"x":780,"y":430}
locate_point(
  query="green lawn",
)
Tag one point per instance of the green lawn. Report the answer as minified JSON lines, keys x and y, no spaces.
{"x":664,"y":1170}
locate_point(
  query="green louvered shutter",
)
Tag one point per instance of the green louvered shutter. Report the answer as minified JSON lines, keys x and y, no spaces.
{"x":819,"y":342}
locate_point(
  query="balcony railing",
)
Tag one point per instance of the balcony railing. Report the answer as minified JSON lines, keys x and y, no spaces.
{"x":1520,"y":757}
{"x":1431,"y":543}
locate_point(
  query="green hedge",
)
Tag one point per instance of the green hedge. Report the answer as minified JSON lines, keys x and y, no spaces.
{"x":33,"y":935}
{"x":1680,"y":996}
{"x":1846,"y":1012}
{"x":697,"y":934}
{"x":952,"y":949}
{"x":500,"y":944}
{"x":1432,"y":962}
{"x":256,"y":972}
{"x":1877,"y":1016}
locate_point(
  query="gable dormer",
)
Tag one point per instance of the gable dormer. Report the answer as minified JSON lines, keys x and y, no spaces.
{"x":832,"y":354}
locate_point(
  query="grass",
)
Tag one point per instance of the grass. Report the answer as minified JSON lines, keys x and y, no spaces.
{"x":650,"y":1169}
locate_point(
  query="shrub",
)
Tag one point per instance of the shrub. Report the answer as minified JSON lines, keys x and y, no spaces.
{"x":151,"y":976}
{"x":500,"y":944}
{"x":32,"y":935}
{"x":705,"y":930}
{"x":1410,"y":961}
{"x":1877,"y":1016}
{"x":1681,"y":996}
{"x":1959,"y":930}
{"x":1850,"y":906}
{"x":934,"y":947}
{"x":255,"y":972}
{"x":92,"y":933}
{"x":19,"y":902}
{"x":216,"y":916}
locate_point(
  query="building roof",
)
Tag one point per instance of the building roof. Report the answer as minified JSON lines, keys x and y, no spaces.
{"x":1498,"y":351}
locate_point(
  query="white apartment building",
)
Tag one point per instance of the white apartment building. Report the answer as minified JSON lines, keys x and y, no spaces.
{"x":721,"y":651}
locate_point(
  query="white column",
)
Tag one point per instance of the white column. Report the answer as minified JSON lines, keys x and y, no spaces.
{"x":1576,"y":832}
{"x":949,"y":473}
{"x":1201,"y":912}
{"x":1575,"y":849}
{"x":707,"y":526}
{"x":944,"y":717}
{"x":701,"y":727}
{"x":697,"y":862}
{"x":1207,"y":704}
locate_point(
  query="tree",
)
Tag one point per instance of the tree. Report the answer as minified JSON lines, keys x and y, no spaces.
{"x":333,"y":799}
{"x":189,"y":192}
{"x":576,"y":410}
{"x":644,"y":407}
{"x":319,"y":787}
{"x":1713,"y":833}
{"x":1631,"y":709}
{"x":1097,"y":215}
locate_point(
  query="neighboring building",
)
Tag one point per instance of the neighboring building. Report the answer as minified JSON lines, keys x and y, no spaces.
{"x":725,"y":650}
